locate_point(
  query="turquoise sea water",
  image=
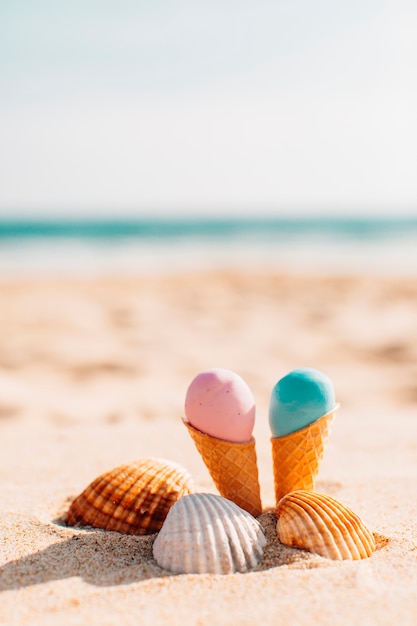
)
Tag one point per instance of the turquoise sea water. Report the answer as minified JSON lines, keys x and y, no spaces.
{"x":166,"y":245}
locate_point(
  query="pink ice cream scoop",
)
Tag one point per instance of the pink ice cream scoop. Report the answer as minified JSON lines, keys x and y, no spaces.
{"x":219,"y":403}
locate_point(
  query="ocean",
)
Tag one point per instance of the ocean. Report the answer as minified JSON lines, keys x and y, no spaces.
{"x":90,"y":247}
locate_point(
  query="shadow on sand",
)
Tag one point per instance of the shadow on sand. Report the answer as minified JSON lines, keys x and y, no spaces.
{"x":97,"y":556}
{"x":106,"y":558}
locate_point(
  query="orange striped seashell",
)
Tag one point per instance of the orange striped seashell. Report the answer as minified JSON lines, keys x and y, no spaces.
{"x":133,"y":499}
{"x":318,"y":523}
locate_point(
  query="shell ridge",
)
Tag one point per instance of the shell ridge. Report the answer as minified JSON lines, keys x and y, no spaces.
{"x":221,"y":531}
{"x":369,"y":541}
{"x":184,"y":520}
{"x":168,"y":547}
{"x":258,"y":541}
{"x":347,"y":532}
{"x":205,"y":536}
{"x":93,"y":499}
{"x":252,"y":538}
{"x":291,"y":524}
{"x":318,"y":534}
{"x":238,"y":541}
{"x":322,"y":524}
{"x":93,"y":504}
{"x":150,"y":498}
{"x":133,"y":510}
{"x":201,"y":535}
{"x":157,"y":494}
{"x":249,"y":534}
{"x":355,"y":535}
{"x":299,"y":525}
{"x":365,"y":539}
{"x":164,"y":548}
{"x":180,"y":484}
{"x":116,"y":499}
{"x":127,"y":505}
{"x":335,"y":532}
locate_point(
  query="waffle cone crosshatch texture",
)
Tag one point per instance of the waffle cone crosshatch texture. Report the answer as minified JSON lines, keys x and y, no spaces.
{"x":233,"y":468}
{"x":296,"y":457}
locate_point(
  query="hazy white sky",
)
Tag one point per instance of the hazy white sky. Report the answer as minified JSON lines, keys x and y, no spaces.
{"x":135,"y":107}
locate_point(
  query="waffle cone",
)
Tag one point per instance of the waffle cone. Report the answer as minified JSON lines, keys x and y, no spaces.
{"x":233,"y":468}
{"x":296,"y":457}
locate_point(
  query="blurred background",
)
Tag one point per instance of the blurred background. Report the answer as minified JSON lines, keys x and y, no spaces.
{"x":270,"y":107}
{"x":240,"y":109}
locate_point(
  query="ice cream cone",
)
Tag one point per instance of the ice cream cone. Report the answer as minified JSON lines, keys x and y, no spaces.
{"x":233,"y":468}
{"x":296,"y":457}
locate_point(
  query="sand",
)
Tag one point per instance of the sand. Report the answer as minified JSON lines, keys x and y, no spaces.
{"x":93,"y":374}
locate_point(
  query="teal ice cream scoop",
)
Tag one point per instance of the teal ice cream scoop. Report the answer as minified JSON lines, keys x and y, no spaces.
{"x":298,"y":399}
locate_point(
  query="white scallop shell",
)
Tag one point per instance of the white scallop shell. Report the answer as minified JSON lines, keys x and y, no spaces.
{"x":207,"y":534}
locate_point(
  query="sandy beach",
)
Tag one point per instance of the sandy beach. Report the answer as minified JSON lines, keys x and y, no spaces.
{"x":93,"y":374}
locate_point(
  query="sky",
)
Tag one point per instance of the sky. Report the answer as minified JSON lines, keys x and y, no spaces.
{"x":170,"y":107}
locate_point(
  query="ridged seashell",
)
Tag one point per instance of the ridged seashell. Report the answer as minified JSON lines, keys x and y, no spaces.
{"x":133,"y":498}
{"x":207,"y":534}
{"x":321,"y":524}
